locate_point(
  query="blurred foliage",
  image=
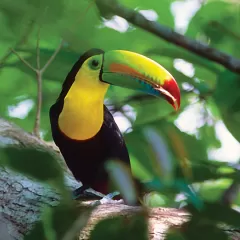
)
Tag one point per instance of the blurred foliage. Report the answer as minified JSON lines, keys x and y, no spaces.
{"x":55,"y":224}
{"x":160,"y":149}
{"x":29,"y":161}
{"x":121,"y":228}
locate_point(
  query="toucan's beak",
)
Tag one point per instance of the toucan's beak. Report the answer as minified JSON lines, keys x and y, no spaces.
{"x":134,"y":71}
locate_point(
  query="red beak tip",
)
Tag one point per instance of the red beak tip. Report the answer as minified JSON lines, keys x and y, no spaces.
{"x":175,"y":105}
{"x":172,"y":88}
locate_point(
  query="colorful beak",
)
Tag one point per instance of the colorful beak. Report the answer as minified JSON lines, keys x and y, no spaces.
{"x":135,"y":71}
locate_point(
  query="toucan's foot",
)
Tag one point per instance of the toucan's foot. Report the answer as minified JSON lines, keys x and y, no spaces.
{"x":77,"y":192}
{"x":112,"y":195}
{"x":108,"y":199}
{"x":81,"y":193}
{"x":87,"y":193}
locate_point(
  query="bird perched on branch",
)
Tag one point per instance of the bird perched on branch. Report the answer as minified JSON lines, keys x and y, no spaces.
{"x":82,"y":126}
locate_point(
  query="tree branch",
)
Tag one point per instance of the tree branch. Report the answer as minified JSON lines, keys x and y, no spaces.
{"x":201,"y":49}
{"x":24,"y":61}
{"x":38,"y":49}
{"x":36,"y":129}
{"x":52,"y":57}
{"x":39,"y":73}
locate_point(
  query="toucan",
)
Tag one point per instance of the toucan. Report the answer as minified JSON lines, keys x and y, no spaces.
{"x":82,"y":126}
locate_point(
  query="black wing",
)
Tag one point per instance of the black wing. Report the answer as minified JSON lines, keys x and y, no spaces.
{"x":116,"y":143}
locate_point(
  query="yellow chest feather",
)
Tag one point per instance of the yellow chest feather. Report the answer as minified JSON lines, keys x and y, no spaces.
{"x":83,"y":111}
{"x":81,"y":120}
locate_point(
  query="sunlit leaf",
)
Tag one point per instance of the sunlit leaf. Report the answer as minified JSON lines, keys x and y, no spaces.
{"x":35,"y":163}
{"x":122,"y":178}
{"x":162,"y":161}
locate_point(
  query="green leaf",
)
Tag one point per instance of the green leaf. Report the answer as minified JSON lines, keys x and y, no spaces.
{"x":35,"y":163}
{"x":217,"y":213}
{"x":68,"y":219}
{"x":62,"y":222}
{"x":198,"y":229}
{"x":212,"y":191}
{"x":227,"y":97}
{"x":174,"y":235}
{"x":212,"y":22}
{"x":210,"y":170}
{"x":118,"y":228}
{"x":208,"y":135}
{"x":122,"y":178}
{"x":175,"y":187}
{"x":155,"y":199}
{"x":162,"y":160}
{"x":141,"y":151}
{"x":37,"y":233}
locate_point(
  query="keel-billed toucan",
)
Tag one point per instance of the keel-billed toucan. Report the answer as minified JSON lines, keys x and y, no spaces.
{"x":82,"y":126}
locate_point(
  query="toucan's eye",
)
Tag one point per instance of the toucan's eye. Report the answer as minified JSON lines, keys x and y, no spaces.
{"x":94,"y":64}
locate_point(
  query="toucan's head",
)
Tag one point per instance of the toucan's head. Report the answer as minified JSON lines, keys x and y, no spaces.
{"x":96,"y":69}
